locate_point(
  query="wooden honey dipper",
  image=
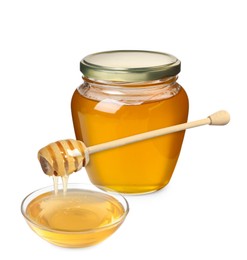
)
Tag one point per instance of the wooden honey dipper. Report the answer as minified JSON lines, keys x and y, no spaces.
{"x":67,"y":156}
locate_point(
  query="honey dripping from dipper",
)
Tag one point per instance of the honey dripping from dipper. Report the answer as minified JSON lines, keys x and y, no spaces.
{"x":61,"y":158}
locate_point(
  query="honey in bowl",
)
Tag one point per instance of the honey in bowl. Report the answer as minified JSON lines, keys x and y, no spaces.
{"x":80,"y":217}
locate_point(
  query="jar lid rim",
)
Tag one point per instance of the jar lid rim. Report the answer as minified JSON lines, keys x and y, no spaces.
{"x":129,"y":65}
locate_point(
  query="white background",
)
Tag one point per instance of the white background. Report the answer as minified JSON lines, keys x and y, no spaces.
{"x":202,"y":213}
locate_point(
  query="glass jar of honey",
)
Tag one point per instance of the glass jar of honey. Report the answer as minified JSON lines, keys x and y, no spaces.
{"x":126,"y":93}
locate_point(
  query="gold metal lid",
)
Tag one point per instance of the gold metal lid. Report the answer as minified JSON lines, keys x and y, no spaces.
{"x":129,"y":65}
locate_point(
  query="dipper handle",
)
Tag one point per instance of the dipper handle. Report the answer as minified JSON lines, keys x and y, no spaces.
{"x":219,"y":118}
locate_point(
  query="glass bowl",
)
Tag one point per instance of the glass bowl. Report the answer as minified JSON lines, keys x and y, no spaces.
{"x":84,"y":216}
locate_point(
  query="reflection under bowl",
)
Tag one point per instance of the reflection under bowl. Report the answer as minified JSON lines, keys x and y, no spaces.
{"x":84,"y":216}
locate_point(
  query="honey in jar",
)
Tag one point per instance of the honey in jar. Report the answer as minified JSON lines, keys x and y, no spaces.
{"x":126,"y":93}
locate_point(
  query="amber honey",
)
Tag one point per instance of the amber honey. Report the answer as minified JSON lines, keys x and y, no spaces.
{"x":76,"y":219}
{"x":136,"y":168}
{"x":128,"y":92}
